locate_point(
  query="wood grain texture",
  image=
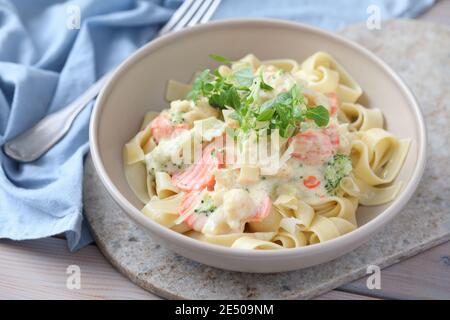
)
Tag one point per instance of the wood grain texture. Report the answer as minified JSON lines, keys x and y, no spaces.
{"x":439,"y":13}
{"x":425,"y":276}
{"x":37,"y":270}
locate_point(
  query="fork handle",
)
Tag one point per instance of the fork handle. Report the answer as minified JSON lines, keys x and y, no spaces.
{"x":34,"y":142}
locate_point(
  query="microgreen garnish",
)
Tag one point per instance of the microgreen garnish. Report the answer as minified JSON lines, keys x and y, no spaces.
{"x":238,"y":91}
{"x":264,"y":85}
{"x":200,"y":86}
{"x":319,"y":115}
{"x":284,"y":112}
{"x":221,"y":59}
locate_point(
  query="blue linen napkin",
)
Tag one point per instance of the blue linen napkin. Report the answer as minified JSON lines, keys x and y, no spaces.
{"x":44,"y":66}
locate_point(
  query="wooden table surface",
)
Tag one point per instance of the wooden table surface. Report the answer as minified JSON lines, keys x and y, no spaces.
{"x":37,"y":269}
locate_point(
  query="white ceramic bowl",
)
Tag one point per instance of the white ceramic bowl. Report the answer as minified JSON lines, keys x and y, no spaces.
{"x":139,"y":86}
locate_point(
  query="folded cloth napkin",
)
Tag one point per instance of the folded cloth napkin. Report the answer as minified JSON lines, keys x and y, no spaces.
{"x":44,"y":65}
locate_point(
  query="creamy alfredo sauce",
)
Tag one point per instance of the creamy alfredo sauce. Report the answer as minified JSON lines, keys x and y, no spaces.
{"x":231,"y":203}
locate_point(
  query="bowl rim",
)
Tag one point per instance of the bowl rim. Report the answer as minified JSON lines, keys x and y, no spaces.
{"x":359,"y":235}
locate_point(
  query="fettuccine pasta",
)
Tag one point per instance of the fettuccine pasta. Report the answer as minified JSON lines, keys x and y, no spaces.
{"x":264,"y":155}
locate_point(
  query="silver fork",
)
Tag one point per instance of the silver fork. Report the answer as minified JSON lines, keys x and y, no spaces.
{"x":33,"y":143}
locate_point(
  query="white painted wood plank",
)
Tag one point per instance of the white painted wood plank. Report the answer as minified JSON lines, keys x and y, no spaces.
{"x":424,"y":276}
{"x":439,"y":13}
{"x":37,"y":270}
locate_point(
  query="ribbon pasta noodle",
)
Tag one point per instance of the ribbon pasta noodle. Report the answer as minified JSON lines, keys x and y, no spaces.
{"x":264,"y":155}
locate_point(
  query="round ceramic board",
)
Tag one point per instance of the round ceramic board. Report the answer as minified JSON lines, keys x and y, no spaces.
{"x":420,"y":53}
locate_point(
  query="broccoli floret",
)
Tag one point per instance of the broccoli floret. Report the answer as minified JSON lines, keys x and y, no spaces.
{"x":337,"y":168}
{"x":206,"y":206}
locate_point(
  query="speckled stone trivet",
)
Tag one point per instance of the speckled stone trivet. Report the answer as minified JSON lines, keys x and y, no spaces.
{"x":420,"y":53}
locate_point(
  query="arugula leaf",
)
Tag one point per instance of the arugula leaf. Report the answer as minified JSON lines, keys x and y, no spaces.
{"x":219,"y":58}
{"x":199,"y":85}
{"x":319,"y":114}
{"x":239,"y":92}
{"x":224,"y":98}
{"x":287,"y":130}
{"x":266,"y":115}
{"x":218,"y":100}
{"x":234,"y":100}
{"x":295,"y":92}
{"x":264,"y":85}
{"x":284,"y":111}
{"x":297,"y":114}
{"x":244,"y":77}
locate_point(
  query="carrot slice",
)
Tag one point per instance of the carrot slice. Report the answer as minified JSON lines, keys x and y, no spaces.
{"x":200,"y":175}
{"x":312,"y":146}
{"x":188,"y":202}
{"x":263,"y":210}
{"x":333,"y":132}
{"x":161,"y":128}
{"x":187,"y":207}
{"x":334,"y":102}
{"x":311,"y":182}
